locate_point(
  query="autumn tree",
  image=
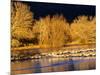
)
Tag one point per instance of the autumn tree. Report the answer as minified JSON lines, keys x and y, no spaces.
{"x":83,"y":30}
{"x":53,"y":31}
{"x":15,"y":43}
{"x":60,"y":31}
{"x":21,"y":21}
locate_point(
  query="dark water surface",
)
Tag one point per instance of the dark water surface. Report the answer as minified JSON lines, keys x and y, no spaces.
{"x":53,"y":65}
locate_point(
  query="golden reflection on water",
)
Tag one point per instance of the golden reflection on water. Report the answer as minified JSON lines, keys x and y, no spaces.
{"x":45,"y":62}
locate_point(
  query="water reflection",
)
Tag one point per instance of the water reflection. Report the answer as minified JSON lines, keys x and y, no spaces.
{"x":53,"y":65}
{"x":37,"y":65}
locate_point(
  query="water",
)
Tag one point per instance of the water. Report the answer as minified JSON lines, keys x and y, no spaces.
{"x":52,"y":65}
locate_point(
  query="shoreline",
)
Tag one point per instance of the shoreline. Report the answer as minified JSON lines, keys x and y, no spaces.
{"x":35,"y":52}
{"x":64,"y":54}
{"x":73,"y":58}
{"x":45,"y":47}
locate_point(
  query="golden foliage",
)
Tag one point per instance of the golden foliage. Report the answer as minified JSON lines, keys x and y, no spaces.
{"x":15,"y":43}
{"x":53,"y":31}
{"x":50,"y":31}
{"x":21,"y":21}
{"x":83,"y":30}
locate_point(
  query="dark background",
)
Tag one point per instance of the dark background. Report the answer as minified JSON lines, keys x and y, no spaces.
{"x":69,"y":11}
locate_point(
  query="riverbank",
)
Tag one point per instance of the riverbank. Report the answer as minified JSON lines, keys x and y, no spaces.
{"x":44,"y":46}
{"x":63,"y":53}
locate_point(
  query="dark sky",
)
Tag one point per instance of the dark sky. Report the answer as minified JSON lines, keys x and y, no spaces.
{"x":70,"y":11}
